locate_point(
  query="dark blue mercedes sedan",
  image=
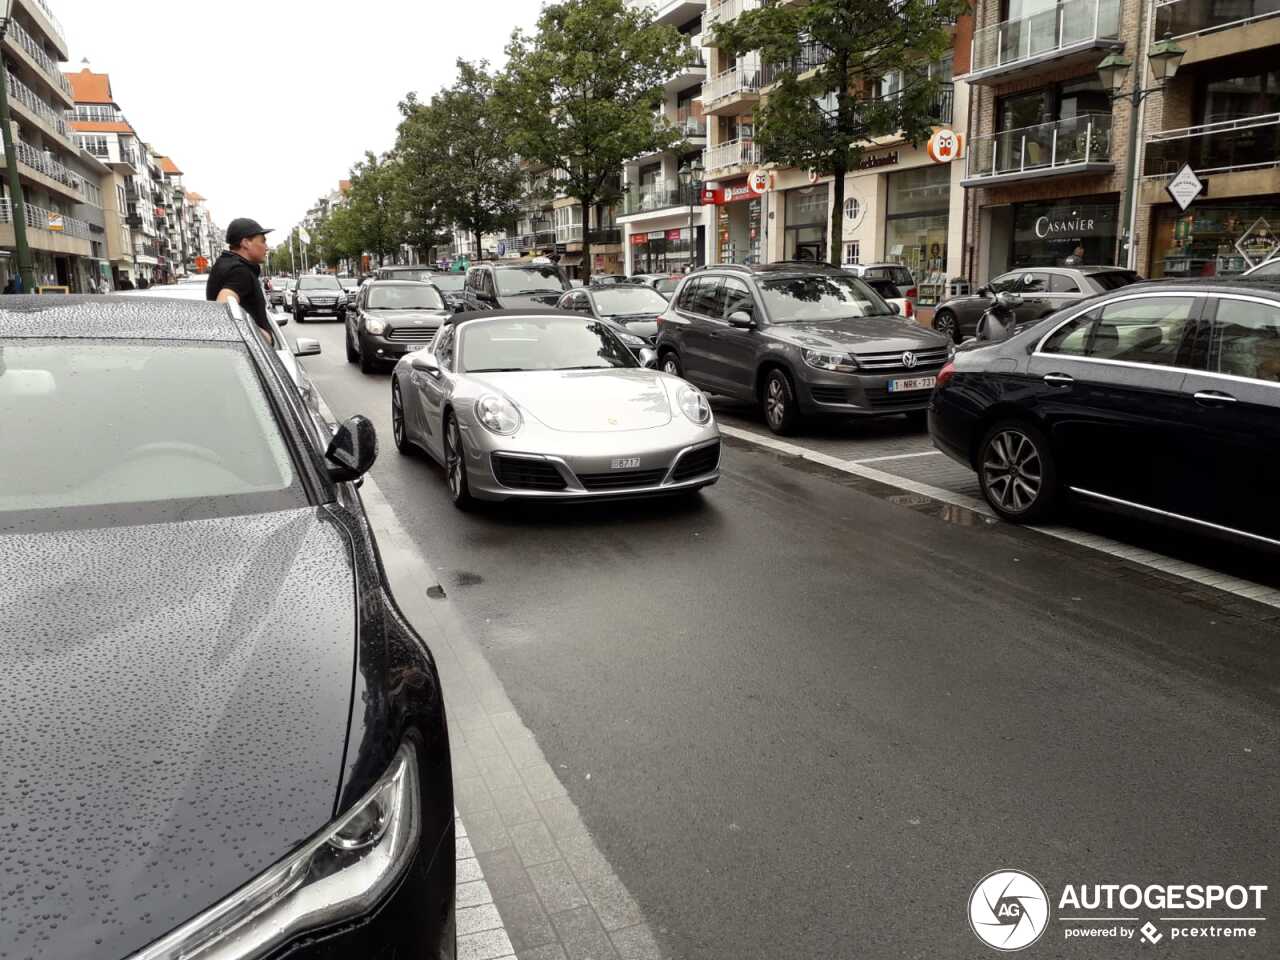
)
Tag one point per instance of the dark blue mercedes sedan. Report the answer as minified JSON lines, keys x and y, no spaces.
{"x":219,"y":736}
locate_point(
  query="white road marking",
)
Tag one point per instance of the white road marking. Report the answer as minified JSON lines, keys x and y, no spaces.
{"x":1147,"y":558}
{"x":899,"y":456}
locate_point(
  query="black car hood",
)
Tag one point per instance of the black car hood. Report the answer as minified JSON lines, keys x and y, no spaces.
{"x":420,"y":319}
{"x":866,"y":335}
{"x":646,"y":327}
{"x":176,"y":699}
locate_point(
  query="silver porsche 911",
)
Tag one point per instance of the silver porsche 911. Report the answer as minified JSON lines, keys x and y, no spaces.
{"x":546,"y":404}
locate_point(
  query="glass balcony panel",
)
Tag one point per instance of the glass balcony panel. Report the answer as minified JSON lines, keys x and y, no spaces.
{"x":1184,"y":18}
{"x":1216,"y":147}
{"x":1069,"y":24}
{"x":1042,"y":148}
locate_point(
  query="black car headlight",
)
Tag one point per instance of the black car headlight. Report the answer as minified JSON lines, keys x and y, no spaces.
{"x":836,"y":362}
{"x":340,"y":873}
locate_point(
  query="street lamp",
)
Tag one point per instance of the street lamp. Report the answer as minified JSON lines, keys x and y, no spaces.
{"x":1165,"y":56}
{"x":689,"y":174}
{"x":18,"y":208}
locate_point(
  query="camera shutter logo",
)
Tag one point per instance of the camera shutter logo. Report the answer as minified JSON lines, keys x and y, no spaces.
{"x":1008,"y":910}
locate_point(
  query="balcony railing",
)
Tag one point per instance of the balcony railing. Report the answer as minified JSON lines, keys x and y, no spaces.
{"x":1242,"y":144}
{"x":568,"y":233}
{"x":1187,"y":18}
{"x":38,"y":218}
{"x":724,"y":11}
{"x":532,"y":241}
{"x":606,"y":235}
{"x":736,"y":81}
{"x":36,"y":52}
{"x":689,"y":125}
{"x":656,"y":196}
{"x":811,"y":57}
{"x":735,"y":153}
{"x":24,"y":95}
{"x":44,"y":163}
{"x":1073,"y":145}
{"x":1071,"y":24}
{"x":53,"y":21}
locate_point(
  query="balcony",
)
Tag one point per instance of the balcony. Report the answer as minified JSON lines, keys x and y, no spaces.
{"x":690,"y":126}
{"x":735,"y":153}
{"x":569,"y":233}
{"x":1062,"y":148}
{"x":734,"y":91}
{"x":675,"y":12}
{"x":693,"y":69}
{"x":54,"y":120}
{"x":605,"y":235}
{"x":38,"y":218}
{"x":1224,"y":28}
{"x":42,"y":162}
{"x":1073,"y":32}
{"x":57,"y":32}
{"x":27,"y":43}
{"x":649,"y":198}
{"x":725,"y":11}
{"x":811,"y":57}
{"x":1248,"y":143}
{"x":534,"y":241}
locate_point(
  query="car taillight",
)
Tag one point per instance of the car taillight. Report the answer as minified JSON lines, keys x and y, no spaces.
{"x":946,"y":373}
{"x":910,"y":311}
{"x":911,"y":294}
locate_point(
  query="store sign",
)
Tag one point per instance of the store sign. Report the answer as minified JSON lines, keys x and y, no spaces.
{"x":1259,"y":243}
{"x":741,"y":191}
{"x":639,"y":239}
{"x":760,"y":181}
{"x":1185,"y":187}
{"x":1082,"y":226}
{"x":712,"y":196}
{"x":56,"y":223}
{"x":676,"y":234}
{"x":656,"y":235}
{"x":875,"y":160}
{"x":945,"y":146}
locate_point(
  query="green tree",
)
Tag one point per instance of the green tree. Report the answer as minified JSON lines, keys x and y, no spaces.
{"x":457,"y":166}
{"x":375,"y":223}
{"x":823,"y":119}
{"x":582,"y":93}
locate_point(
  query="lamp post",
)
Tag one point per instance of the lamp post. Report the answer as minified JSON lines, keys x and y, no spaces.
{"x":689,"y":174}
{"x":18,"y":207}
{"x":1165,"y":56}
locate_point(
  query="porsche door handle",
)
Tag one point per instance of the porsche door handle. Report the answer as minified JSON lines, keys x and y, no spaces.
{"x":1059,"y":379}
{"x":1213,"y":397}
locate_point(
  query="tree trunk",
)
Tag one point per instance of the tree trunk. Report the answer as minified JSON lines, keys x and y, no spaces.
{"x":836,"y":254}
{"x":586,"y":242}
{"x":476,"y":234}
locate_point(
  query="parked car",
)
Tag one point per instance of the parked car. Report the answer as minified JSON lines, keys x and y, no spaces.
{"x":1158,"y":399}
{"x":191,"y":586}
{"x":450,"y":287}
{"x":894,"y":273}
{"x":349,"y":286}
{"x":286,"y":300}
{"x":800,"y":339}
{"x":893,"y":295}
{"x":275,"y":290}
{"x":518,"y":286}
{"x":316,"y":294}
{"x":413,"y":271}
{"x":390,"y":318}
{"x":664,"y":283}
{"x":1042,"y":289}
{"x":631,"y":308}
{"x":544,"y":404}
{"x":607,"y":279}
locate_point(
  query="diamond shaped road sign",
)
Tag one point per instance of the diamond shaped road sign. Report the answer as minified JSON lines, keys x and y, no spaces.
{"x":1185,"y":186}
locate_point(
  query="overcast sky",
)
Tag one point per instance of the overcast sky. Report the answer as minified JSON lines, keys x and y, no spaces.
{"x":266,"y":105}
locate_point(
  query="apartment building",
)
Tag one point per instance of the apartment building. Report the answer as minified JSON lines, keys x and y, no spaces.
{"x":901,"y":205}
{"x":664,"y":225}
{"x":39,"y":96}
{"x":1220,"y":113}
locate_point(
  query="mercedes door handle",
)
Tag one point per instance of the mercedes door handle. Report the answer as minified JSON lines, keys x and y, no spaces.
{"x":1214,"y":396}
{"x":1059,"y":379}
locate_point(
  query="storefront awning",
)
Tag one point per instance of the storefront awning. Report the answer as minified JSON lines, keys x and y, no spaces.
{"x":571,"y":260}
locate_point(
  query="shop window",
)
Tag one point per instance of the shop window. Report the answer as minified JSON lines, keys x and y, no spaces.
{"x":853,"y":252}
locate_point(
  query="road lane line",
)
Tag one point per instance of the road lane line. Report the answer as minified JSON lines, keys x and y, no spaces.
{"x":899,"y":456}
{"x":1168,"y":566}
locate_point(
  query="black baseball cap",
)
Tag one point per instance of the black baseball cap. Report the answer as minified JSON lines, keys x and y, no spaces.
{"x":242,"y":227}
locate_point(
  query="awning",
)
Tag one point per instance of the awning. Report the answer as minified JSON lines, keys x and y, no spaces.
{"x":571,"y":260}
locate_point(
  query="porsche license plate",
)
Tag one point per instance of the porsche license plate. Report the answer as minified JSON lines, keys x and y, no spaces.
{"x":916,"y":383}
{"x":624,"y":463}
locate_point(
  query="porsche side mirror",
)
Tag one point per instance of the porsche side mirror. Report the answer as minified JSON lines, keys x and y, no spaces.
{"x":352,"y":450}
{"x":306,"y":347}
{"x":425,"y":363}
{"x":648,"y":358}
{"x":741,"y":319}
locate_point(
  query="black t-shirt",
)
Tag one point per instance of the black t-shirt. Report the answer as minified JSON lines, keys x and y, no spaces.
{"x":233,"y":272}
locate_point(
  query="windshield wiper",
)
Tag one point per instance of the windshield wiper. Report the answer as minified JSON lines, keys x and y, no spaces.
{"x":526,"y":293}
{"x":497,"y":370}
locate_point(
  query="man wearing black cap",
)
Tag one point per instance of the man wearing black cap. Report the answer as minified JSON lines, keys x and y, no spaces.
{"x":235,"y":274}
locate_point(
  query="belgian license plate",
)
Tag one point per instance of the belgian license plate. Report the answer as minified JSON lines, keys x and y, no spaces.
{"x":624,"y":463}
{"x":916,"y":383}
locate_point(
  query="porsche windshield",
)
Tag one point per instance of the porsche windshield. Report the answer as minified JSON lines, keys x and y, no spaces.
{"x":540,"y":343}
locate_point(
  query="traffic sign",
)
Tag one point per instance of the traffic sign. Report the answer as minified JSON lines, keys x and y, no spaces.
{"x":1185,"y":187}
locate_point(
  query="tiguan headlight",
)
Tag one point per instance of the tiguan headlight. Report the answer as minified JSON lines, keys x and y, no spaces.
{"x":341,"y":872}
{"x":835,"y":362}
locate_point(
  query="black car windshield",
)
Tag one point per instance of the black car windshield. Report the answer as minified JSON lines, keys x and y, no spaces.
{"x":405,"y":296}
{"x":319,"y":283}
{"x":448,"y":282}
{"x":529,"y":280}
{"x":407,"y":275}
{"x":136,"y":431}
{"x":617,"y":300}
{"x":1113,"y":279}
{"x":820,"y":297}
{"x":540,"y":343}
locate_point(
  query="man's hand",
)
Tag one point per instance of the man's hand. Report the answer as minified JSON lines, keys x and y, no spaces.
{"x":226,"y":294}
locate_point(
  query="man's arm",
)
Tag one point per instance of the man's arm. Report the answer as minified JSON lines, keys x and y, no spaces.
{"x":226,"y":294}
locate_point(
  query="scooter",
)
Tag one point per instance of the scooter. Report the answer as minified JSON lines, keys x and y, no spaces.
{"x":997,"y":321}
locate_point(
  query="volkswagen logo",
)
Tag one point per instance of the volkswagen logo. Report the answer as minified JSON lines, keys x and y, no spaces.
{"x":909,"y":360}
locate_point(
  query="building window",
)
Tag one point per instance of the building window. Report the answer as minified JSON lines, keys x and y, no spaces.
{"x":95,"y":145}
{"x":96,"y":113}
{"x":852,"y":210}
{"x":852,"y":252}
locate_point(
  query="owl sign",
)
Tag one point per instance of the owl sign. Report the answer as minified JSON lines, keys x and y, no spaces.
{"x":945,"y":146}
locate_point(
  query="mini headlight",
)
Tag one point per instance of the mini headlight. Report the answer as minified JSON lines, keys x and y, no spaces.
{"x":694,"y":405}
{"x":375,"y":327}
{"x":498,"y":415}
{"x":341,"y":872}
{"x":837,"y":362}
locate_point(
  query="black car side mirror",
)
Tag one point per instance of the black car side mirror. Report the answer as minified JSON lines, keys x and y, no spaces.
{"x":352,"y":450}
{"x":648,"y":358}
{"x":742,"y":320}
{"x":984,"y":291}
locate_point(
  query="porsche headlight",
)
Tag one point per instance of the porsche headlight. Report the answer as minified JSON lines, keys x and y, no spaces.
{"x":341,"y":872}
{"x":836,"y":362}
{"x":498,"y":415}
{"x":375,"y":327}
{"x":694,"y":405}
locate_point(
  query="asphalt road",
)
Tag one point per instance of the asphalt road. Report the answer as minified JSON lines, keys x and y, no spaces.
{"x":803,"y":720}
